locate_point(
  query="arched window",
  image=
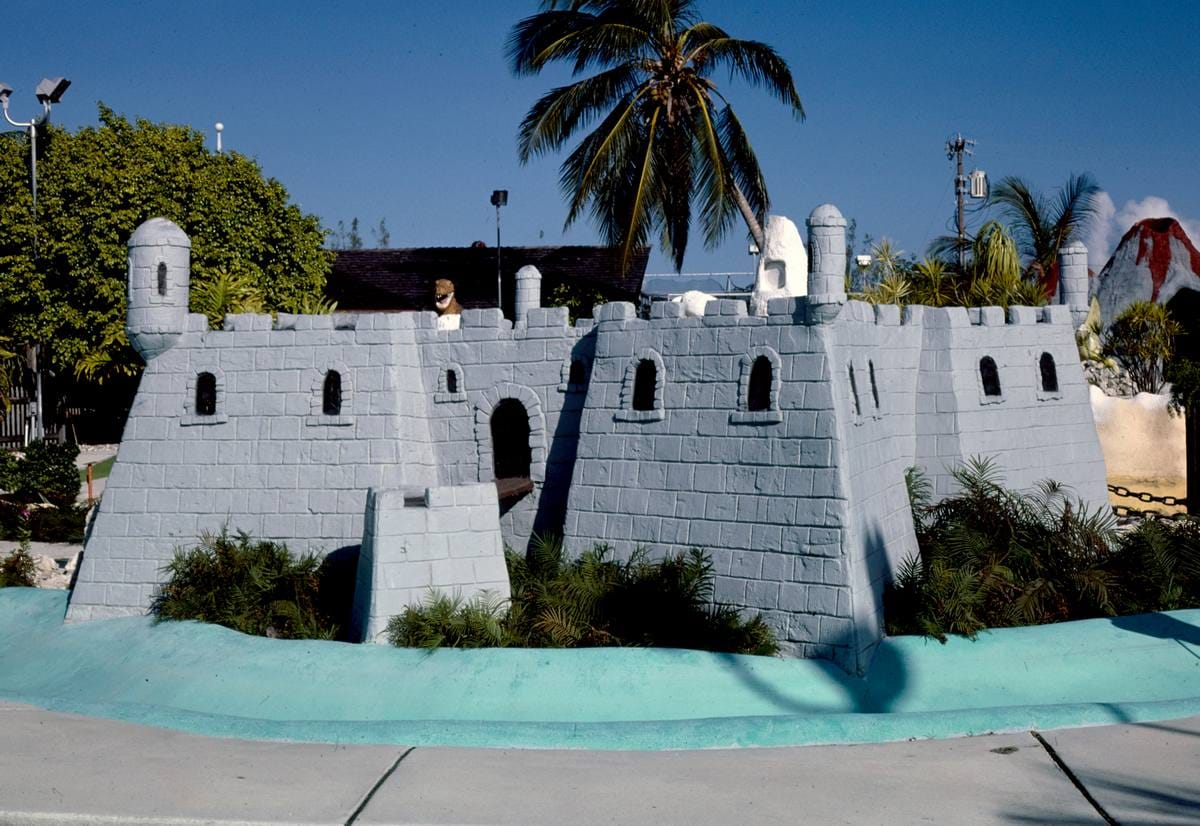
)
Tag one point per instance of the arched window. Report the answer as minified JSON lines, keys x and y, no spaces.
{"x":854,"y":392}
{"x":1049,"y":373}
{"x":206,"y":394}
{"x":451,"y":381}
{"x":874,"y":386}
{"x":758,"y":395}
{"x":576,"y":374}
{"x":644,"y":382}
{"x":511,"y":453}
{"x":331,"y":394}
{"x":162,"y":278}
{"x":990,"y":376}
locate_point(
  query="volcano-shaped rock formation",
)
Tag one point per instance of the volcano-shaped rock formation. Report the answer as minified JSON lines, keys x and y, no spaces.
{"x":1154,"y":262}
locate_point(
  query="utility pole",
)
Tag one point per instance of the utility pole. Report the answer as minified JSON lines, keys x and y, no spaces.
{"x":956,"y":147}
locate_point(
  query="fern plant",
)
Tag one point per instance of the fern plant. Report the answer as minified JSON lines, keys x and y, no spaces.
{"x":593,"y":600}
{"x":993,"y":557}
{"x":253,"y":587}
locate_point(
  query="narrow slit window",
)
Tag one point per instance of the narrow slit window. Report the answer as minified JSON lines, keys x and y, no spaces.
{"x":1049,"y":373}
{"x":451,"y":381}
{"x":874,"y":386}
{"x":644,"y":383}
{"x":854,"y":392}
{"x":331,"y":396}
{"x":162,"y":278}
{"x":758,"y":395}
{"x":575,"y":376}
{"x":206,"y":394}
{"x":990,"y":376}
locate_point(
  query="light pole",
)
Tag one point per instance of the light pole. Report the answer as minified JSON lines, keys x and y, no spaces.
{"x":499,"y":199}
{"x":49,"y":92}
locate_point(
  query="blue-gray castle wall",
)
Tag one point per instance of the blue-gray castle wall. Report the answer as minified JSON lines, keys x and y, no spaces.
{"x":802,"y":505}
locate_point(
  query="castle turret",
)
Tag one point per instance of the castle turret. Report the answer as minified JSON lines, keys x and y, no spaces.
{"x":159,"y":276}
{"x":1073,"y":275}
{"x":827,"y":259}
{"x":529,"y":292}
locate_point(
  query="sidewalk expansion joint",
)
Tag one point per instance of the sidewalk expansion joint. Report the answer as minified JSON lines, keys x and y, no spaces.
{"x":362,"y":804}
{"x":1075,"y":781}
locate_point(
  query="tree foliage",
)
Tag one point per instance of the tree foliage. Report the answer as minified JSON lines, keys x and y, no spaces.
{"x":1043,"y":225}
{"x":667,"y":141}
{"x":993,"y":277}
{"x":95,"y":186}
{"x":1142,"y":339}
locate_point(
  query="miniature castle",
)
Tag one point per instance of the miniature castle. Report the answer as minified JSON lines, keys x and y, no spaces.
{"x":778,"y":443}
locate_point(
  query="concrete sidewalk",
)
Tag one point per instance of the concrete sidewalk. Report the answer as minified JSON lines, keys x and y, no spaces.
{"x":62,"y":768}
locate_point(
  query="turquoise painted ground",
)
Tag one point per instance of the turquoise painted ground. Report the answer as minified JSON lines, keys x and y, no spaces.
{"x":214,"y":681}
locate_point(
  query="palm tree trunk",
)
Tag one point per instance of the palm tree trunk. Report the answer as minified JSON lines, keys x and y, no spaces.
{"x":748,"y":215}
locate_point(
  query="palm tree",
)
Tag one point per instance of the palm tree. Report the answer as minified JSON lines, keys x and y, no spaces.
{"x":667,"y":139}
{"x":1041,"y":226}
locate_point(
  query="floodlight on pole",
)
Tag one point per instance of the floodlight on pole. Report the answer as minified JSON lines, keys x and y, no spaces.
{"x":49,"y":91}
{"x":499,"y":199}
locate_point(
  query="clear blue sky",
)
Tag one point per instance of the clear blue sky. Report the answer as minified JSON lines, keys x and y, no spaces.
{"x":406,"y":111}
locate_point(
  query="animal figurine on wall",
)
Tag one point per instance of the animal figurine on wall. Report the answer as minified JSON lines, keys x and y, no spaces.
{"x":448,"y":309}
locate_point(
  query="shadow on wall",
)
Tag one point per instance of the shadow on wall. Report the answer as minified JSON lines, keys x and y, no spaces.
{"x":560,"y":459}
{"x":337,"y":577}
{"x":886,"y":674}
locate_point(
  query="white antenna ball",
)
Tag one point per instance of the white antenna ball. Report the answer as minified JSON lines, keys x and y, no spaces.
{"x":220,"y":127}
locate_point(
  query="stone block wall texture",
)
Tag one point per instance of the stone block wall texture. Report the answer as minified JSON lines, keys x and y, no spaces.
{"x":795,"y":488}
{"x":418,"y":541}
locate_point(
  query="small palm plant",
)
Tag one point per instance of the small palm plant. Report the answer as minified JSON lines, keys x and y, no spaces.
{"x":229,"y":290}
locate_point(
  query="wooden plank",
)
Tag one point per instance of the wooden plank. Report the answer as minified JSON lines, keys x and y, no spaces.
{"x":513,"y":487}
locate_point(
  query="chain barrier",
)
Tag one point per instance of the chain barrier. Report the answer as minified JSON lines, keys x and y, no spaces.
{"x":1143,"y":496}
{"x":1123,"y":511}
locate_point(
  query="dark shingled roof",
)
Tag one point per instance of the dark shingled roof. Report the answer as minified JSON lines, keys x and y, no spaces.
{"x":402,"y":279}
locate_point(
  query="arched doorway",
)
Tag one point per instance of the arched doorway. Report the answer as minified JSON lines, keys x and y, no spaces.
{"x":512,"y":456}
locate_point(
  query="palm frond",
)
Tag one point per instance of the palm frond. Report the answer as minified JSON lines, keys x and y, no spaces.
{"x":555,"y":116}
{"x":755,"y":62}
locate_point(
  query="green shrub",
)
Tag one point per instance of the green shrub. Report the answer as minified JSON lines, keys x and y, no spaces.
{"x":8,"y":472}
{"x":47,"y":473}
{"x":17,"y":568}
{"x":253,"y":587}
{"x":594,"y":600}
{"x":451,"y":621}
{"x":46,"y":524}
{"x":993,"y":557}
{"x":1158,"y":566}
{"x":1142,"y":338}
